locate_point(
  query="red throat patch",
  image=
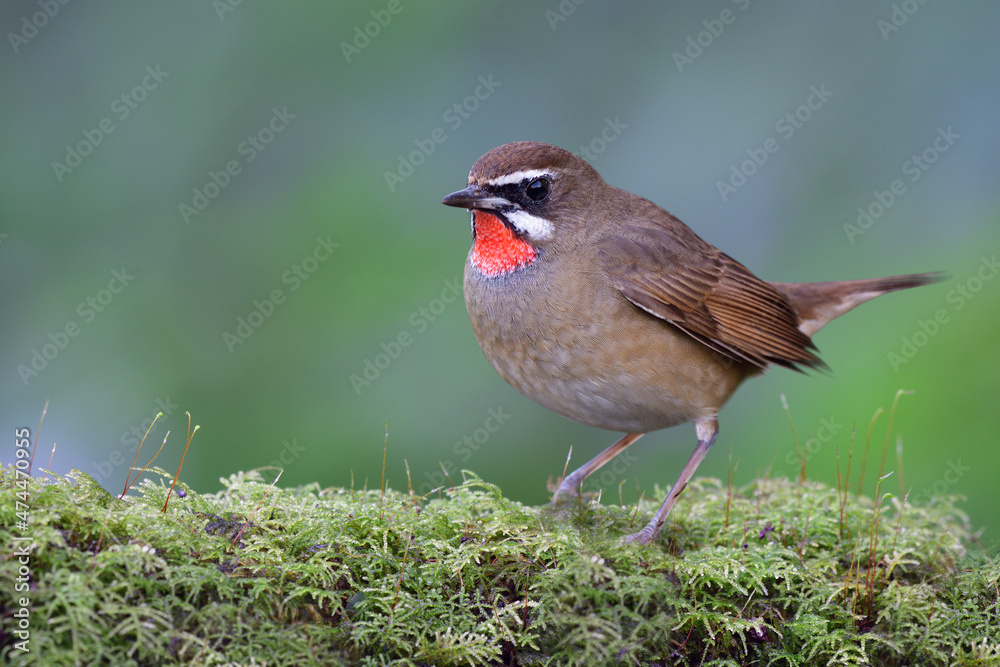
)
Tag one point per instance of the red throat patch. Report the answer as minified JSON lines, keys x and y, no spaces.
{"x":497,"y":250}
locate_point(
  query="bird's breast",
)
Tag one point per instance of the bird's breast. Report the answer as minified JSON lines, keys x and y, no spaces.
{"x":568,"y":340}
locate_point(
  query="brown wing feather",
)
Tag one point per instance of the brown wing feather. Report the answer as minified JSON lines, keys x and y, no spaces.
{"x":707,"y":294}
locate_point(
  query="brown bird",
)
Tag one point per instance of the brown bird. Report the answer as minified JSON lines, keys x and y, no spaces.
{"x":605,"y":308}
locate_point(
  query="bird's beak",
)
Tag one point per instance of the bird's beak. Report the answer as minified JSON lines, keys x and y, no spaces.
{"x":474,"y":197}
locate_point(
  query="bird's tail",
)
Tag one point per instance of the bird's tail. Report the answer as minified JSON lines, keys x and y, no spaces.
{"x":818,"y":303}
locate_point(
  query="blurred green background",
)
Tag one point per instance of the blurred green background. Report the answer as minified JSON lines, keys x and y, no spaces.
{"x":117,"y":117}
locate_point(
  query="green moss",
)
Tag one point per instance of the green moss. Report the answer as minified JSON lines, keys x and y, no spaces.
{"x":768,"y":574}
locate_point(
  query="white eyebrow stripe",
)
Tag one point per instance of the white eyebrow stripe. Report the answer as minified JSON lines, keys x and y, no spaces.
{"x":518,"y":176}
{"x":532,"y":226}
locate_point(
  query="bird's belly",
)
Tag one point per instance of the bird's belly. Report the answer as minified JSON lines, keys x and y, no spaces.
{"x":620,"y":370}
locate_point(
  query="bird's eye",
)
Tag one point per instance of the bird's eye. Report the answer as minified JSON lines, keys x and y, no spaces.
{"x":537,"y":190}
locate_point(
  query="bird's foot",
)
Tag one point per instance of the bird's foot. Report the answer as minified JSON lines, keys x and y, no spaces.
{"x":644,"y":536}
{"x":567,"y":489}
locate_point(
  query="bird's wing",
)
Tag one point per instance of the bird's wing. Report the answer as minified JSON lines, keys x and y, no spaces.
{"x":678,"y":277}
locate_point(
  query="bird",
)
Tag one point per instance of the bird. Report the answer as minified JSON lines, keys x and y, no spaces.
{"x":604,"y":308}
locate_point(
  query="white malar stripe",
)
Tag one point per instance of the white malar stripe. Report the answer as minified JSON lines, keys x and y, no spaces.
{"x":518,"y":176}
{"x":535,"y":228}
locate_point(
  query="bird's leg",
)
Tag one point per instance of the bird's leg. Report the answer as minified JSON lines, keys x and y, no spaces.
{"x":572,"y":483}
{"x":707,"y":431}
